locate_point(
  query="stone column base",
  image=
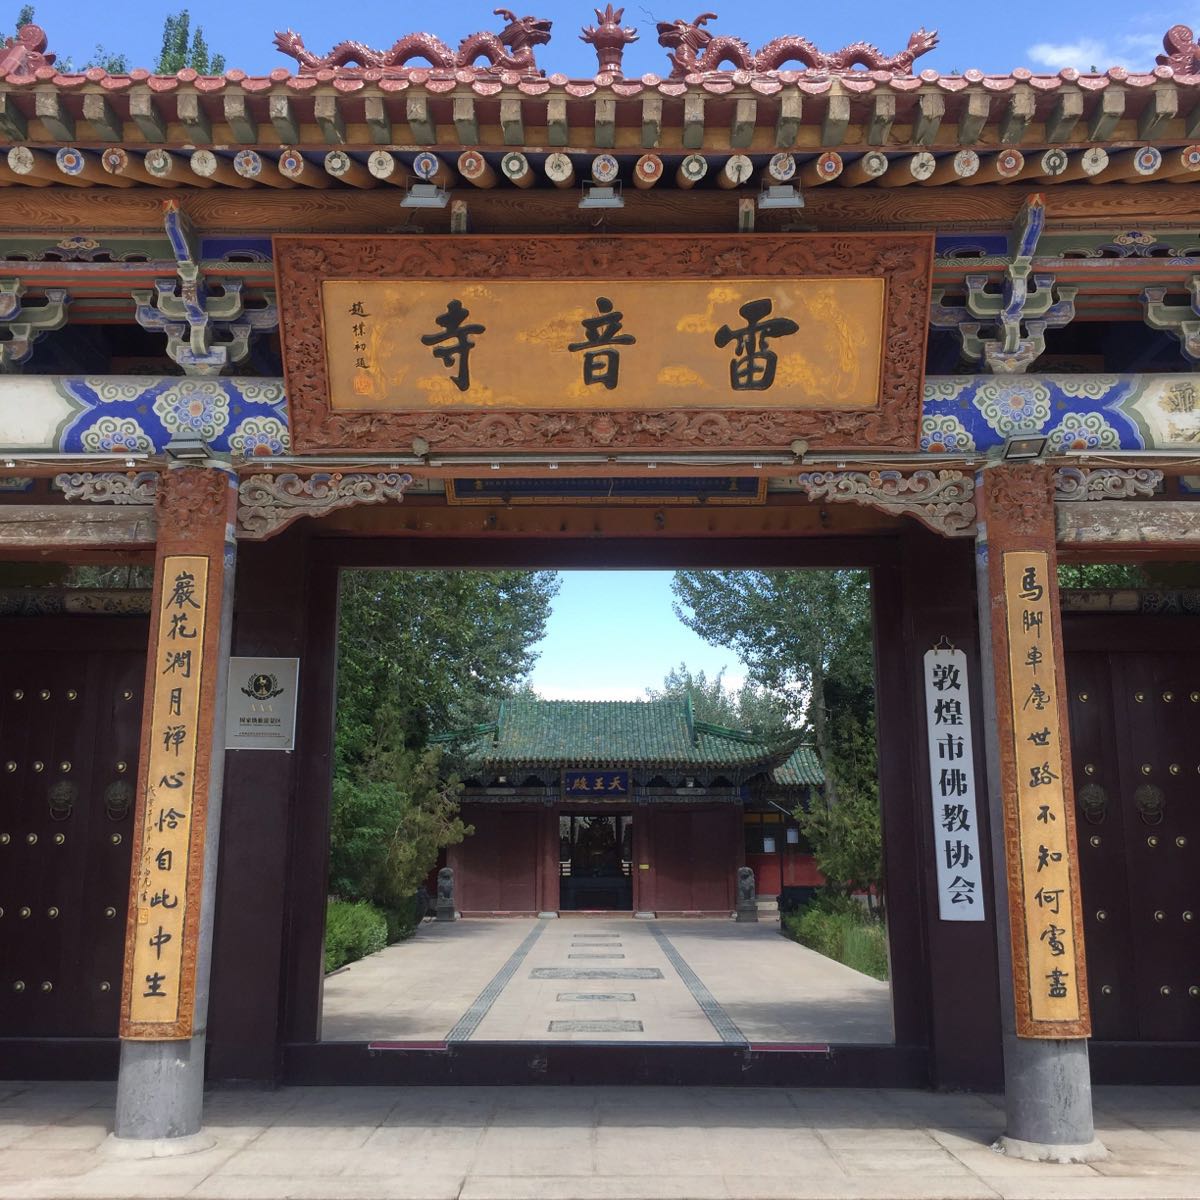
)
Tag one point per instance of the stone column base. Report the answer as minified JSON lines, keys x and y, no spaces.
{"x":1084,"y":1152}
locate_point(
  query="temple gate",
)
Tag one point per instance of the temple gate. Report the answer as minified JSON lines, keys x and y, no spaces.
{"x":942,"y":327}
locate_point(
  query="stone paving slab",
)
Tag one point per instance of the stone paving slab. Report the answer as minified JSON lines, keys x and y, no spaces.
{"x":696,"y":981}
{"x":545,"y":1143}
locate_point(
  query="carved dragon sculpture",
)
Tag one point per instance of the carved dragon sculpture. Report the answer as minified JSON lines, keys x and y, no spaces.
{"x":25,"y":53}
{"x":520,"y":35}
{"x":1182,"y":53}
{"x":694,"y":50}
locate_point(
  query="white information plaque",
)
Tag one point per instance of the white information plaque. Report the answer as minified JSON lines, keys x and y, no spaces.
{"x":260,"y":709}
{"x":952,"y":784}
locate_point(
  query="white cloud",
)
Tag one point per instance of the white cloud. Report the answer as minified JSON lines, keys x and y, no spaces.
{"x":1083,"y":54}
{"x":1148,"y":44}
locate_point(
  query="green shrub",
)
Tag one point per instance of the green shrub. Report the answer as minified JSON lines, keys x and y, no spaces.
{"x":842,"y":930}
{"x":352,"y":931}
{"x":403,"y":920}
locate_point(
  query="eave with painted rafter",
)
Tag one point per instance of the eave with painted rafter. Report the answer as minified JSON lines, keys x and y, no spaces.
{"x":153,"y":200}
{"x":885,"y":128}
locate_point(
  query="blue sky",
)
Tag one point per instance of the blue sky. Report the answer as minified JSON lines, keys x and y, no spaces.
{"x":989,"y":36}
{"x":612,"y":634}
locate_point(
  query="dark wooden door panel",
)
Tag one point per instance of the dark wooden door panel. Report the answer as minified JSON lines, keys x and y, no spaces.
{"x":1135,"y":730}
{"x":1101,"y":838}
{"x":1157,"y":703}
{"x":70,"y":713}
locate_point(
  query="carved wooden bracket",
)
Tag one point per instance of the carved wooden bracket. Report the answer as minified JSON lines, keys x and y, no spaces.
{"x":1005,"y":331}
{"x":1105,"y":483}
{"x":109,"y":487}
{"x":942,"y":500}
{"x":269,"y":503}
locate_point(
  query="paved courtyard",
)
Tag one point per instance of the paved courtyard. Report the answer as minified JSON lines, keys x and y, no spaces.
{"x":568,"y":1143}
{"x":604,"y":979}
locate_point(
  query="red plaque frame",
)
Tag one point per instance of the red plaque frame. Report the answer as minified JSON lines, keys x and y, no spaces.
{"x":904,"y":261}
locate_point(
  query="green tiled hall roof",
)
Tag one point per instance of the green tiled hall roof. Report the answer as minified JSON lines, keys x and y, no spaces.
{"x":613,"y":733}
{"x":802,"y":769}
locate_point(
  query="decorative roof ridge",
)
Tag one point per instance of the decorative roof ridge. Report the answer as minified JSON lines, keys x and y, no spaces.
{"x":724,"y":731}
{"x":458,"y":735}
{"x":696,"y":57}
{"x":806,"y":81}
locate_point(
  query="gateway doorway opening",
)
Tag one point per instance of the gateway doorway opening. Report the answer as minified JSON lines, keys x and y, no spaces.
{"x":595,"y":861}
{"x":544,"y":847}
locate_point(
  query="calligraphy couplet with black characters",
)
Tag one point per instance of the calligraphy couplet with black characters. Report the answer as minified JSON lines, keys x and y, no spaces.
{"x":158,"y":997}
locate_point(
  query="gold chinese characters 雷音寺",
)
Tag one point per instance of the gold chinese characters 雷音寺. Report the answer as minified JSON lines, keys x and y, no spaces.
{"x":530,"y":344}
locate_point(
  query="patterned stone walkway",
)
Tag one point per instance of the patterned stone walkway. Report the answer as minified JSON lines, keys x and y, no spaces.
{"x":567,"y":1143}
{"x":604,"y":979}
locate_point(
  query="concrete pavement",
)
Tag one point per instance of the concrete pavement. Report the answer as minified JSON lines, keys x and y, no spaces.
{"x":604,"y":979}
{"x":590,"y":1144}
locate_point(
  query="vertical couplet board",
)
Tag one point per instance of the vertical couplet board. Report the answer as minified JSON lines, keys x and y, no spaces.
{"x":164,"y":904}
{"x":952,"y":786}
{"x":1048,"y":960}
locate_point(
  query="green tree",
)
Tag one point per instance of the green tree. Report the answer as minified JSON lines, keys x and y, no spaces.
{"x":184,"y":47}
{"x":794,"y":630}
{"x":432,"y":650}
{"x":420,"y":652}
{"x":24,"y":16}
{"x":750,"y":707}
{"x":388,"y":822}
{"x":847,"y":837}
{"x":1101,"y":575}
{"x":806,"y":638}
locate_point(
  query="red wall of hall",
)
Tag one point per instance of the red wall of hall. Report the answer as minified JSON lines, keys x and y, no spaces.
{"x":496,"y":868}
{"x":799,"y":870}
{"x":694,"y":859}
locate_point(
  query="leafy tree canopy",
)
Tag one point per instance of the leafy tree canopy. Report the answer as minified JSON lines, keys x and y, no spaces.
{"x":181,"y":47}
{"x":184,"y":47}
{"x":793,"y":629}
{"x":422,"y":652}
{"x":806,"y":638}
{"x":752,"y":708}
{"x":419,"y":652}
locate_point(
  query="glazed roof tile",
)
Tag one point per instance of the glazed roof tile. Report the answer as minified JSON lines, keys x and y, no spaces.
{"x":768,"y":83}
{"x":801,"y":769}
{"x":596,"y":733}
{"x":1007,"y":122}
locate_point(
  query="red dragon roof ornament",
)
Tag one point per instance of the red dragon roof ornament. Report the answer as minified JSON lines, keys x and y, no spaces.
{"x":520,"y":36}
{"x":1182,"y":53}
{"x":25,"y":53}
{"x":696,"y":51}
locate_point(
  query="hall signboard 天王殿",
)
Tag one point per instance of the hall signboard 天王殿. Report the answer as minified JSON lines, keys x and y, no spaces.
{"x":623,"y":342}
{"x":595,"y":784}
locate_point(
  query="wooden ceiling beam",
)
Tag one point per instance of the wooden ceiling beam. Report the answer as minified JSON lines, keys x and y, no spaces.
{"x":988,"y":206}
